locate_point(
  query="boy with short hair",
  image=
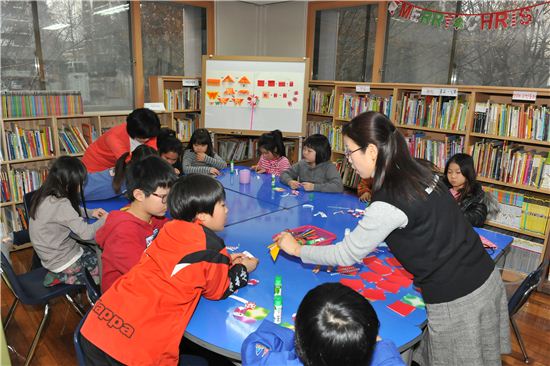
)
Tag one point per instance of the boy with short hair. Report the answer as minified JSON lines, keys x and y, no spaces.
{"x":128,"y":232}
{"x":334,"y":326}
{"x":142,"y":317}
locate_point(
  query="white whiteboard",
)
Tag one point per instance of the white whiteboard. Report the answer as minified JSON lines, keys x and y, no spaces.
{"x":278,"y":84}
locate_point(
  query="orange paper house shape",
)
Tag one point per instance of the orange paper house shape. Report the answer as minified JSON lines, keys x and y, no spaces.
{"x":243,"y":91}
{"x":213,"y":82}
{"x":223,"y":100}
{"x":212,"y":94}
{"x":237,"y":101}
{"x":229,"y":91}
{"x":265,"y":95}
{"x":244,"y":80}
{"x":228,"y":79}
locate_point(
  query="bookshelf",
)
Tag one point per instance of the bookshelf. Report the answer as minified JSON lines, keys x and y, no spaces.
{"x":509,"y":140}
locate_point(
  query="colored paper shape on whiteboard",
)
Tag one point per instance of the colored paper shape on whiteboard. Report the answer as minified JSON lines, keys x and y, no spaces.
{"x":271,"y":83}
{"x":265,"y":95}
{"x":229,"y":91}
{"x":228,"y":79}
{"x":213,"y":82}
{"x":212,"y":94}
{"x":244,"y":92}
{"x":237,"y":101}
{"x":261,"y":82}
{"x":244,"y":80}
{"x":401,"y":308}
{"x":223,"y":100}
{"x":282,"y":84}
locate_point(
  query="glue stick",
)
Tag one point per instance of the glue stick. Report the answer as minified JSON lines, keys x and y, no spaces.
{"x":277,"y":309}
{"x":272,"y":180}
{"x":278,"y":286}
{"x":232,"y":167}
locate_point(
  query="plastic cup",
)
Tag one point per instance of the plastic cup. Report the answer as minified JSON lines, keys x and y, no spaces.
{"x":244,"y":176}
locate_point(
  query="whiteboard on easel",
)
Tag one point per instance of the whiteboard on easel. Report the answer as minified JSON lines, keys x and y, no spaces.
{"x":253,"y":95}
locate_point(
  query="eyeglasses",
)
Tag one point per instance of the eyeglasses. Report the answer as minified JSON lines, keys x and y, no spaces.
{"x":348,"y":153}
{"x":163,"y":197}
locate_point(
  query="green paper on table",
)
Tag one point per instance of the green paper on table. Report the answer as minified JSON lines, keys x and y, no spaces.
{"x":414,"y":300}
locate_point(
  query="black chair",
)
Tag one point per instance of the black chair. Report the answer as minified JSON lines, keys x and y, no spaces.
{"x":27,"y":198}
{"x":29,"y":289}
{"x":520,"y":297}
{"x":92,"y":289}
{"x":77,"y":346}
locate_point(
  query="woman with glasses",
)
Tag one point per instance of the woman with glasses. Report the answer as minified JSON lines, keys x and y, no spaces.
{"x":414,"y":213}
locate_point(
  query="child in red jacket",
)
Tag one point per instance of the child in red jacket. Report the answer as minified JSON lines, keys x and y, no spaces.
{"x":142,"y":317}
{"x":128,"y":232}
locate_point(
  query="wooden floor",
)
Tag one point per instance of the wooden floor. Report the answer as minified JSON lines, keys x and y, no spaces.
{"x":56,"y":347}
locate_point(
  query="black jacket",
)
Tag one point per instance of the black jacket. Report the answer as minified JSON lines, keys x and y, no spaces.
{"x":473,"y":206}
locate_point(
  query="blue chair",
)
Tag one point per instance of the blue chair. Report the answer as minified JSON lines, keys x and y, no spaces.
{"x":77,"y":346}
{"x":27,"y":199}
{"x":519,"y":298}
{"x":28,"y":289}
{"x":92,"y":289}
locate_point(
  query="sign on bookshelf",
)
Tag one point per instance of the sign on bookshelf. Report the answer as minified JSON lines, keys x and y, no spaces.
{"x":190,"y":82}
{"x":529,"y":96}
{"x":362,"y":88}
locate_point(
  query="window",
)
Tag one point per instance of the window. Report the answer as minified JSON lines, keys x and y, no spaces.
{"x":344,"y":43}
{"x":173,"y":39}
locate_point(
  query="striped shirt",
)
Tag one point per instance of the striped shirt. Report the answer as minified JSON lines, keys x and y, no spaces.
{"x":190,"y":164}
{"x":275,"y":166}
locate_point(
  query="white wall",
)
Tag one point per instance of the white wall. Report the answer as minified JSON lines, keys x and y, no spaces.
{"x":276,"y":29}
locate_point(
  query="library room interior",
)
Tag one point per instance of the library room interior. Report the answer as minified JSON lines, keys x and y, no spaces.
{"x":167,"y":167}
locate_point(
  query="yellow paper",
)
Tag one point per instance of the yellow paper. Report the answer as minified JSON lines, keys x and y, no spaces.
{"x":274,"y":252}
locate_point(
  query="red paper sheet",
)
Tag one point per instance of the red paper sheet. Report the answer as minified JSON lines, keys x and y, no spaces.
{"x":379,"y":268}
{"x":398,"y":278}
{"x":373,"y":294}
{"x":353,"y":284}
{"x":388,"y":286}
{"x":371,"y":259}
{"x":404,"y":272}
{"x":401,"y":308}
{"x":393,"y":262}
{"x":370,"y":277}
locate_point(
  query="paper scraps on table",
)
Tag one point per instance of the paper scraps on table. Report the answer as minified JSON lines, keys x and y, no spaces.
{"x":414,"y":300}
{"x":278,"y":189}
{"x":233,"y":248}
{"x":250,"y":313}
{"x":398,"y":278}
{"x":253,"y":282}
{"x":370,"y":277}
{"x":388,"y":286}
{"x":379,"y":268}
{"x":321,"y":213}
{"x":371,"y":259}
{"x":273,"y":251}
{"x":373,"y":294}
{"x":346,"y":270}
{"x":401,"y":308}
{"x":354,"y":284}
{"x":307,"y":205}
{"x":356,"y":213}
{"x":392,"y":261}
{"x":404,"y":272}
{"x":487,"y":243}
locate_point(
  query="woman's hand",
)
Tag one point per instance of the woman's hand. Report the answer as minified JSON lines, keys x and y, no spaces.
{"x":308,"y":186}
{"x":288,"y":244}
{"x":294,"y":184}
{"x":214,"y":171}
{"x":99,"y":213}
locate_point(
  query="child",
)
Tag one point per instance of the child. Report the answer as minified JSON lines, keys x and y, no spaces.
{"x":460,"y":177}
{"x":110,"y":183}
{"x":142,"y":127}
{"x":272,"y":150}
{"x":315,"y":172}
{"x":54,"y":215}
{"x":142,"y":317}
{"x":199,"y":157}
{"x":364,"y":189}
{"x":331,"y":317}
{"x":127,"y":233}
{"x":170,"y":148}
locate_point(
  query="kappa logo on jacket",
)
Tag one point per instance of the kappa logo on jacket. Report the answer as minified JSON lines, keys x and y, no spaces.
{"x":113,"y":320}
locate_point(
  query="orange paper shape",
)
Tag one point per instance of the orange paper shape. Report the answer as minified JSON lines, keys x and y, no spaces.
{"x":229,"y":91}
{"x":214,"y":82}
{"x":212,"y":94}
{"x":223,"y":100}
{"x":228,"y":79}
{"x":243,"y":92}
{"x":244,"y":80}
{"x":265,"y":95}
{"x":237,"y":101}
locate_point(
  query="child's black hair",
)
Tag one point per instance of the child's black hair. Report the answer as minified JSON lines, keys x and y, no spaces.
{"x":120,"y":166}
{"x":466,"y":164}
{"x":320,"y":144}
{"x":201,"y":136}
{"x":65,"y":180}
{"x":142,"y":123}
{"x":193,"y":194}
{"x":335,"y":326}
{"x":272,"y":142}
{"x":148,"y":174}
{"x":168,"y":142}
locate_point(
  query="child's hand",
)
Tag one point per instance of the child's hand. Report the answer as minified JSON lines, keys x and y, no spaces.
{"x":365,"y":197}
{"x":177,"y":171}
{"x":99,"y":213}
{"x":214,"y":171}
{"x":249,"y":263}
{"x":308,"y":186}
{"x":294,"y":184}
{"x":288,"y":244}
{"x":260,"y":170}
{"x":200,"y":156}
{"x":236,"y":258}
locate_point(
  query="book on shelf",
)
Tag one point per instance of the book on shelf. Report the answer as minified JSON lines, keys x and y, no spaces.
{"x":321,"y":101}
{"x":335,"y":138}
{"x":9,"y":221}
{"x":435,"y":151}
{"x":71,"y":140}
{"x":237,"y":149}
{"x":350,"y":178}
{"x":5,"y":186}
{"x":185,"y":128}
{"x":448,"y":113}
{"x":37,"y":103}
{"x":321,"y":127}
{"x":28,"y":143}
{"x":351,"y":105}
{"x":181,"y":99}
{"x":524,"y":255}
{"x":26,"y":180}
{"x":531,"y":122}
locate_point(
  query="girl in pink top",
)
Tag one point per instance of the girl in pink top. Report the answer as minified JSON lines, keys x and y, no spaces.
{"x":272,"y":150}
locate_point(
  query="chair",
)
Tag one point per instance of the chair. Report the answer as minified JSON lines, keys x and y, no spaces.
{"x":27,"y":199}
{"x":520,"y":297}
{"x":77,"y":346}
{"x":28,"y":289}
{"x":92,"y":289}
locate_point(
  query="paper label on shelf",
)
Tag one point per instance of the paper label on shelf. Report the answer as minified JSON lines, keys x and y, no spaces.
{"x":155,"y":106}
{"x":449,"y":92}
{"x":530,"y":96}
{"x":362,"y":88}
{"x":431,"y":91}
{"x":190,"y":82}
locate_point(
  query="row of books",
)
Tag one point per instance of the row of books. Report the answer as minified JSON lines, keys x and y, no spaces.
{"x":179,"y":99}
{"x":71,"y":140}
{"x":185,"y":128}
{"x":521,"y":211}
{"x":433,"y":112}
{"x":530,"y":122}
{"x":15,"y":183}
{"x":321,"y":101}
{"x":28,"y":143}
{"x":438,"y":152}
{"x":524,"y":255}
{"x":41,"y":103}
{"x":511,"y":163}
{"x":13,"y":221}
{"x":350,"y":178}
{"x":335,"y":138}
{"x":322,"y":127}
{"x":351,"y":105}
{"x":238,"y":149}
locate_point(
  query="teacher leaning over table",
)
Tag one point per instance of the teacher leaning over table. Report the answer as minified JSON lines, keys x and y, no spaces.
{"x":414,"y":213}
